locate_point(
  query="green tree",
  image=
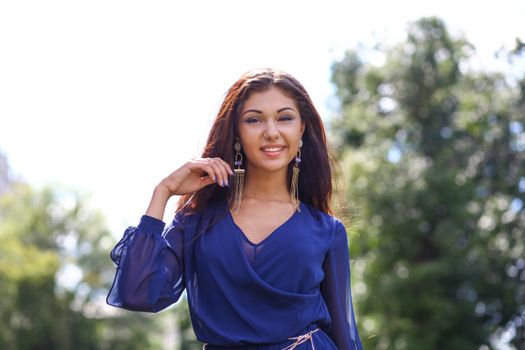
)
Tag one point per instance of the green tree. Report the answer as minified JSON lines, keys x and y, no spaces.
{"x":433,"y":156}
{"x":46,"y":236}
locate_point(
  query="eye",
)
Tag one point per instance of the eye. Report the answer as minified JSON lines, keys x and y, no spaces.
{"x":286,"y":118}
{"x":253,"y":120}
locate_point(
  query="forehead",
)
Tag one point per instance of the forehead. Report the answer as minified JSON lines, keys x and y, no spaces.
{"x":271,"y":98}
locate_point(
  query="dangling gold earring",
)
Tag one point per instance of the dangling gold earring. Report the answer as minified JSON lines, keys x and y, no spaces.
{"x":294,"y":185}
{"x":238,"y":180}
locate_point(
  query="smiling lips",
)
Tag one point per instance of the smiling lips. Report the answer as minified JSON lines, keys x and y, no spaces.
{"x":273,"y":150}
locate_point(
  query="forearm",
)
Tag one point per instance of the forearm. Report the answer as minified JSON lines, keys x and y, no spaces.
{"x":158,"y":202}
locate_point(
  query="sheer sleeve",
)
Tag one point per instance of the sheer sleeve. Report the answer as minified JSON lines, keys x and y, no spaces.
{"x":337,"y":295}
{"x":149,"y":261}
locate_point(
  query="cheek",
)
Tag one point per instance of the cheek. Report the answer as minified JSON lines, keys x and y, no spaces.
{"x":293,"y":133}
{"x":249,"y":141}
{"x":246,"y":135}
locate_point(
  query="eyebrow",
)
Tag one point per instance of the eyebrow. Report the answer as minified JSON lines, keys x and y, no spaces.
{"x":278,"y":111}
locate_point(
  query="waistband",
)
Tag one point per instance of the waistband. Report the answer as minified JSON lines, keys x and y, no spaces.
{"x":289,"y":344}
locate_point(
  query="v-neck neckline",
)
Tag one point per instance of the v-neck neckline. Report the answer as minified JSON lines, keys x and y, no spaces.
{"x":271,"y":234}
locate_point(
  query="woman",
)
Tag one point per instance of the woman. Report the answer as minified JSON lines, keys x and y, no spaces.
{"x":264,"y":264}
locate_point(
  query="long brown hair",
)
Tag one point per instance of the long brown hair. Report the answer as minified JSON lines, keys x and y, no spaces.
{"x":315,"y":177}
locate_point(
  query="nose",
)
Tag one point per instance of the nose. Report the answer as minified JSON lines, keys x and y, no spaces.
{"x":271,"y":132}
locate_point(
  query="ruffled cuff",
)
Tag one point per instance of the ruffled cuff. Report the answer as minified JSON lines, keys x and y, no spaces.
{"x":151,"y":225}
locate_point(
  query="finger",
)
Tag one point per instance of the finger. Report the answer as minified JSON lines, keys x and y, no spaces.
{"x":208,"y":169}
{"x":224,"y":169}
{"x":206,"y":181}
{"x":222,"y":176}
{"x":226,"y":166}
{"x":202,"y":167}
{"x":220,"y":172}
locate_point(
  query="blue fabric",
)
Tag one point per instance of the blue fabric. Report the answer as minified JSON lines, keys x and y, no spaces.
{"x":241,"y":293}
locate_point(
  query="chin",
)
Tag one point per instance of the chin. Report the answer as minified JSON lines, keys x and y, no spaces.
{"x":271,"y":168}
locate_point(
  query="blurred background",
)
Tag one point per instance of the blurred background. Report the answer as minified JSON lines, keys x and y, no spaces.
{"x":424,"y":103}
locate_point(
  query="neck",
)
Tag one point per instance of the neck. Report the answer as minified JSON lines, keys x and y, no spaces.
{"x":264,"y":186}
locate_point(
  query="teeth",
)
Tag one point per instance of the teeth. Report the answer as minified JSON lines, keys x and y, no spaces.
{"x":273,"y":149}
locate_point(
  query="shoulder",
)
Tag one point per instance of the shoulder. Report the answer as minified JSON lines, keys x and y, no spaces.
{"x":322,"y":220}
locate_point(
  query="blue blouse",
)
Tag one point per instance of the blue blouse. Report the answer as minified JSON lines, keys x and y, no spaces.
{"x":239,"y":292}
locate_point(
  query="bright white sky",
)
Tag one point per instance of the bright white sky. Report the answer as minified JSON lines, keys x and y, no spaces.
{"x":108,"y":97}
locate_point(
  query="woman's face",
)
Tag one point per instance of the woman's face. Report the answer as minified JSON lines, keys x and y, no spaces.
{"x":270,"y":128}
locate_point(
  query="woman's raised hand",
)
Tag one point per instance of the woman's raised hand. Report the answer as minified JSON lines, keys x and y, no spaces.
{"x":196,"y":174}
{"x":189,"y":178}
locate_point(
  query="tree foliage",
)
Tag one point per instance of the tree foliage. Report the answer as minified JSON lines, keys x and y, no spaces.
{"x":54,"y":275}
{"x":433,"y":153}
